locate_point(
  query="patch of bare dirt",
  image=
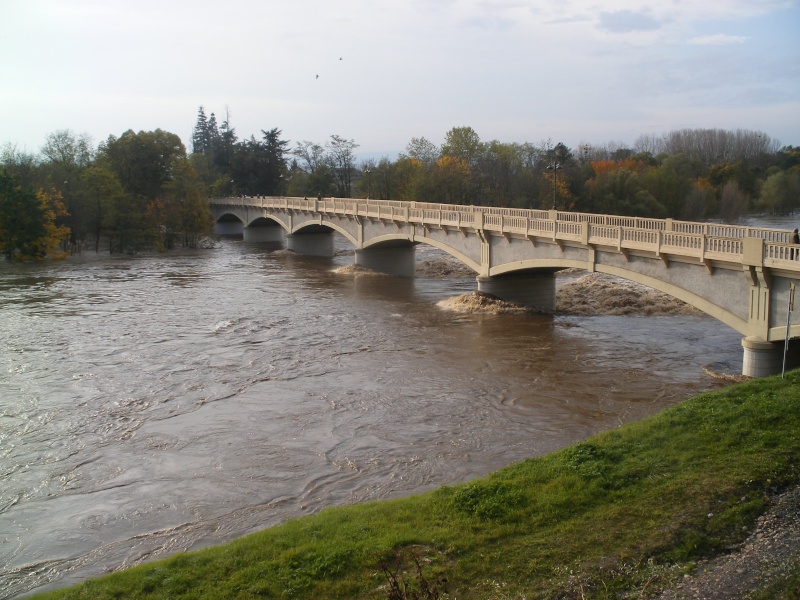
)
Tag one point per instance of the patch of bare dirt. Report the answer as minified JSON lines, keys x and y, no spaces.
{"x":770,"y":554}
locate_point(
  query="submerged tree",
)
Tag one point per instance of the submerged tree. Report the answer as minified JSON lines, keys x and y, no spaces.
{"x":161,"y":204}
{"x":66,"y":156}
{"x":28,"y":221}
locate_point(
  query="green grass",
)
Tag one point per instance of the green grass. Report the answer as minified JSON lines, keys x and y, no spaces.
{"x":625,"y":512}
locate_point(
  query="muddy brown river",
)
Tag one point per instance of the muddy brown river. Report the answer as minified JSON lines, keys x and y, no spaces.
{"x":160,"y":403}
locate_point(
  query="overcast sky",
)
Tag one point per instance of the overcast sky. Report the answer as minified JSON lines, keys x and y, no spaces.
{"x":381,"y":72}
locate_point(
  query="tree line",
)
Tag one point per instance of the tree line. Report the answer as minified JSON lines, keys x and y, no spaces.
{"x":144,"y":190}
{"x":690,"y":174}
{"x":133,"y":192}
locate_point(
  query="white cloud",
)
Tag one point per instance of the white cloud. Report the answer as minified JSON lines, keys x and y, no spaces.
{"x":719,"y":39}
{"x":513,"y":70}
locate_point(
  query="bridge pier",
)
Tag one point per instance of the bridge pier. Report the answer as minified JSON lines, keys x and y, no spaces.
{"x":398,"y":260}
{"x":537,"y":290}
{"x":263,"y":233}
{"x":311,"y":244}
{"x":762,"y":358}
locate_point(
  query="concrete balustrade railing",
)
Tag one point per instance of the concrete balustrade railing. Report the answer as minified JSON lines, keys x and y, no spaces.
{"x":682,"y":238}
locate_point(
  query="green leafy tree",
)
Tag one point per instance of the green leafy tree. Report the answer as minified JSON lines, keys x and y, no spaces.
{"x":463,"y":143}
{"x":500,"y":167}
{"x":780,"y":193}
{"x":23,"y":165}
{"x":66,"y":156}
{"x":670,"y":183}
{"x":179,"y":216}
{"x":739,"y":172}
{"x":423,"y":150}
{"x":733,"y":202}
{"x":144,"y":162}
{"x":462,"y":147}
{"x":381,"y":181}
{"x":451,"y":180}
{"x":617,"y":189}
{"x":700,"y":200}
{"x":103,"y":192}
{"x":411,"y":177}
{"x":28,"y":221}
{"x":161,"y":192}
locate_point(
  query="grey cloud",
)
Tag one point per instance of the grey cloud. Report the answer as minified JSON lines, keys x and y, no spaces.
{"x":624,"y":21}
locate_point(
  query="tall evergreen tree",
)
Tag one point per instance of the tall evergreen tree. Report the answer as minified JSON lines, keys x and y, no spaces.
{"x":200,"y":140}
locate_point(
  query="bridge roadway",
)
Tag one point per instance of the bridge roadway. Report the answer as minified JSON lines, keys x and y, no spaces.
{"x":739,"y":275}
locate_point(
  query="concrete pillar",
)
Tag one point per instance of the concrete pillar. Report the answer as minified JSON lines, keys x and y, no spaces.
{"x":264,"y":233}
{"x":536,"y":290}
{"x":311,"y":244}
{"x":399,"y":261}
{"x":762,"y":359}
{"x":228,"y":228}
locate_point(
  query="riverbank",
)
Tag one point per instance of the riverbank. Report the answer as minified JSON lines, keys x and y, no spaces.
{"x":627,"y":513}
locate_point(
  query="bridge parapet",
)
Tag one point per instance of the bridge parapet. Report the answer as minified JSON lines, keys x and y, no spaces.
{"x":679,"y":238}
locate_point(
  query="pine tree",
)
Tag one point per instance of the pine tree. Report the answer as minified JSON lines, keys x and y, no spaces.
{"x":200,"y":143}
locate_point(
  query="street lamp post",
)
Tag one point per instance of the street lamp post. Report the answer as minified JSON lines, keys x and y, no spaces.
{"x":554,"y":167}
{"x":368,"y":171}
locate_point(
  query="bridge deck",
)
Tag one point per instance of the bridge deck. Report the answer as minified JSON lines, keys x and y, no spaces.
{"x":703,"y":241}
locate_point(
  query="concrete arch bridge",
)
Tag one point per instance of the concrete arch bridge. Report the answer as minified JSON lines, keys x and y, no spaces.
{"x":740,"y":275}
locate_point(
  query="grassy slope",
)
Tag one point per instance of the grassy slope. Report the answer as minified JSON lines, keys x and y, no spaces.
{"x":630,"y":509}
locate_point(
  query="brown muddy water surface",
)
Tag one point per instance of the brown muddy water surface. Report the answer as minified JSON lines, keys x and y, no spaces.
{"x":153,"y":404}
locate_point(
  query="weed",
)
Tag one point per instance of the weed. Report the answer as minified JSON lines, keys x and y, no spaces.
{"x":487,"y":500}
{"x":405,"y":583}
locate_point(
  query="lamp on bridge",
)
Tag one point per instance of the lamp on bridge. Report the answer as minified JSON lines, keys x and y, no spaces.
{"x":554,"y":167}
{"x":368,"y":171}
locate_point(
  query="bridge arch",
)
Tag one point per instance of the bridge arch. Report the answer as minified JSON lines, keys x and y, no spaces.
{"x":690,"y":298}
{"x":694,"y":300}
{"x":265,"y":220}
{"x":314,"y":226}
{"x":229,"y":223}
{"x":740,"y":275}
{"x":449,"y":250}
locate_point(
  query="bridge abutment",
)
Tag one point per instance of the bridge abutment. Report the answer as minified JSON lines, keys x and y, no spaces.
{"x":311,"y":244}
{"x":762,"y":358}
{"x":399,"y":261}
{"x":536,"y":290}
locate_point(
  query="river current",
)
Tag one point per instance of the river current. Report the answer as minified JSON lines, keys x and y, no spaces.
{"x":160,"y":403}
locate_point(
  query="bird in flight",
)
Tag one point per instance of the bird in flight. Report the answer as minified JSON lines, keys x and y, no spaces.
{"x":317,"y":76}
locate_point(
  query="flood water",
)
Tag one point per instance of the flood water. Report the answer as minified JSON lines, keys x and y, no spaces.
{"x":153,"y":404}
